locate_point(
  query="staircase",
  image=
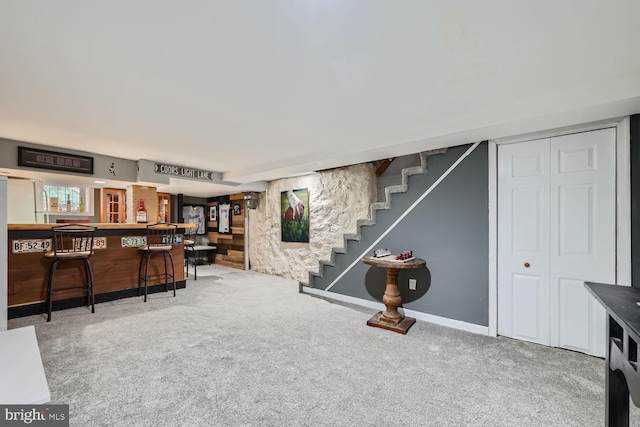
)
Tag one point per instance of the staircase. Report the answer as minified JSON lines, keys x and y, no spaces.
{"x":339,"y":259}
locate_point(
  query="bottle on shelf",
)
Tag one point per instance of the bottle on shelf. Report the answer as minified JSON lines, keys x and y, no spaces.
{"x":141,"y":213}
{"x":68,"y":203}
{"x":53,"y":204}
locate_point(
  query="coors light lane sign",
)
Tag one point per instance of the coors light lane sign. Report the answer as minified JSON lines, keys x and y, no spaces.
{"x":183,"y":172}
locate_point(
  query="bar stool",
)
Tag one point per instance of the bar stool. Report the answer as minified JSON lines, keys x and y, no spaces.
{"x":160,"y":240}
{"x":189,"y":249}
{"x":71,"y":242}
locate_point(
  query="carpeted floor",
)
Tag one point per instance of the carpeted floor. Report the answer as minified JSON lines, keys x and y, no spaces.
{"x":239,"y":348}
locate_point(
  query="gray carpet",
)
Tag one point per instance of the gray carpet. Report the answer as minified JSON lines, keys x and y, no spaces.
{"x":240,"y":348}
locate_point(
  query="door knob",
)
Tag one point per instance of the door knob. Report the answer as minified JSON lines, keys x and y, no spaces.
{"x":527,"y":265}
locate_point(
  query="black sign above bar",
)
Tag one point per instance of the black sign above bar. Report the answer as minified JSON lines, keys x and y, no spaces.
{"x":34,"y":158}
{"x":166,"y":169}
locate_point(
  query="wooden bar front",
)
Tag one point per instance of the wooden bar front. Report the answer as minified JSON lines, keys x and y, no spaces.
{"x":115,"y":268}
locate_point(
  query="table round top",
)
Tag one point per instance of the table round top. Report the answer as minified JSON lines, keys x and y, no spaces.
{"x":386,"y":263}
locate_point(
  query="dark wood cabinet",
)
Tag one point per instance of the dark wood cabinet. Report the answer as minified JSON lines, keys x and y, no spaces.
{"x":164,"y":207}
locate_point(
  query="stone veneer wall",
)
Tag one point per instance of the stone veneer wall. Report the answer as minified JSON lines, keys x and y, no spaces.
{"x":337,"y":199}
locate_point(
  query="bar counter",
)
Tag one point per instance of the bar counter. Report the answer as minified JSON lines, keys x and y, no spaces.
{"x":114,"y":262}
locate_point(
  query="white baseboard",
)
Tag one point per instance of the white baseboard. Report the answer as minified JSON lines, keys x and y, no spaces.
{"x":344,"y":298}
{"x":450,"y":323}
{"x":443,"y":321}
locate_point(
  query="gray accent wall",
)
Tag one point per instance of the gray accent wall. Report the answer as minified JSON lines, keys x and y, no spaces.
{"x":122,"y":170}
{"x":449,"y":229}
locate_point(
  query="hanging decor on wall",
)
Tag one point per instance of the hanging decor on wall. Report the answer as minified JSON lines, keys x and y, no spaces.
{"x":224,"y":223}
{"x":195,"y":215}
{"x":236,"y":209}
{"x":294,"y":215}
{"x":213,"y":213}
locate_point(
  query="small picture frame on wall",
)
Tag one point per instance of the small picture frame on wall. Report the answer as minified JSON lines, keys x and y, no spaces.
{"x":224,"y":223}
{"x":236,"y":209}
{"x":213,"y":213}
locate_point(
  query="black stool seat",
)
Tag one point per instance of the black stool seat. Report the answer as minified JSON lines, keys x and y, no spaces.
{"x":71,"y":242}
{"x":160,"y":240}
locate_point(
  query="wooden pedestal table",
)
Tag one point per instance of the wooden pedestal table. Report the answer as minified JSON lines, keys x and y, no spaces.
{"x":390,"y":318}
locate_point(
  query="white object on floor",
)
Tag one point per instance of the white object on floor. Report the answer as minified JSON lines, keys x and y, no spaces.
{"x":22,"y":378}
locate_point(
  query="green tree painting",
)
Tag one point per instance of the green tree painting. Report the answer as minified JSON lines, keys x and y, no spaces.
{"x":294,"y":216}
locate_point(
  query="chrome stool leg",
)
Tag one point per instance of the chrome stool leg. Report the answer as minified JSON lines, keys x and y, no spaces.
{"x":52,"y":271}
{"x":173,"y":273}
{"x":91,"y":297}
{"x":146,"y":273}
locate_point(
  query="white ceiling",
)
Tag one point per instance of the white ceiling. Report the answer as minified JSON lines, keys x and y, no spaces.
{"x":265,"y":89}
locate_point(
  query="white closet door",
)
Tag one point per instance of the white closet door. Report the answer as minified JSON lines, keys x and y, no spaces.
{"x":556,"y":230}
{"x":583,"y":236}
{"x":523,"y":241}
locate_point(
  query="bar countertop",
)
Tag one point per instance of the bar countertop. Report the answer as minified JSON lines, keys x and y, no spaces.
{"x":100,"y":226}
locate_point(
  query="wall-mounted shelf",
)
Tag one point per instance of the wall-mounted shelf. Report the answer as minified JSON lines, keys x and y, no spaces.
{"x":64,"y":213}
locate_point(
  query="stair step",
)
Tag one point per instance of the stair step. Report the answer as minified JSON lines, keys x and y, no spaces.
{"x":380,"y":205}
{"x":393,"y":189}
{"x":414,"y":170}
{"x":374,"y":207}
{"x":434,"y":152}
{"x":312,"y":276}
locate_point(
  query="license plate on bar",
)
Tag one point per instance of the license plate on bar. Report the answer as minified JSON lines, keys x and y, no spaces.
{"x":177,"y":239}
{"x":25,"y":246}
{"x":98,"y":242}
{"x":133,"y":241}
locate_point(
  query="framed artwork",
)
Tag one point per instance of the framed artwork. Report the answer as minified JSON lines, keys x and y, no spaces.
{"x":294,"y":215}
{"x":236,"y":209}
{"x":224,"y":221}
{"x":213,"y":213}
{"x":195,"y":215}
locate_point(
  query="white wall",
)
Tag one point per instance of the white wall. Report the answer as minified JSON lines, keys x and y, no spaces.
{"x":4,"y":244}
{"x":337,"y":199}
